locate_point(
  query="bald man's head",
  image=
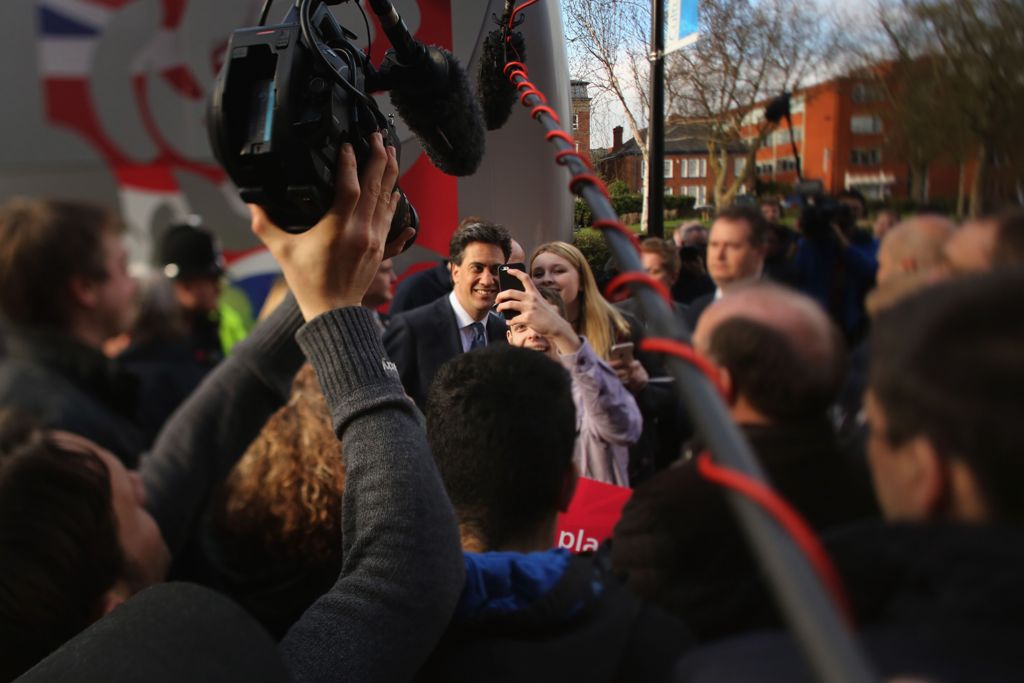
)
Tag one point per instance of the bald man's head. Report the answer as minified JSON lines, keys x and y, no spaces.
{"x":783,"y":355}
{"x":517,"y":255}
{"x":911,"y":257}
{"x":913,"y":246}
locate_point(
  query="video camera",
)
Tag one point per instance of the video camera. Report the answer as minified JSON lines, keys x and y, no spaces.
{"x":291,"y":94}
{"x":819,"y":212}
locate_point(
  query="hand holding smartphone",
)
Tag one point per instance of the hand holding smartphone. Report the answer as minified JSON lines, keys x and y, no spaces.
{"x":507,"y":281}
{"x":622,"y":352}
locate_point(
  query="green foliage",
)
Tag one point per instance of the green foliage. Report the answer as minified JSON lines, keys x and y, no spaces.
{"x":680,"y":202}
{"x":594,"y":247}
{"x":581,"y":217}
{"x":618,"y":188}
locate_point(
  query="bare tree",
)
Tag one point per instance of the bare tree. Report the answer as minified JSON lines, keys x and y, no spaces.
{"x":747,"y":53}
{"x":956,"y":84}
{"x":609,"y":44}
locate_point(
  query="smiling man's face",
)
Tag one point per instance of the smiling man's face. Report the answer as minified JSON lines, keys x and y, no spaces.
{"x":476,"y":278}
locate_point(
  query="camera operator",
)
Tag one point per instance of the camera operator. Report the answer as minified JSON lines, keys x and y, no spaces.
{"x":830,"y":270}
{"x":402,"y":572}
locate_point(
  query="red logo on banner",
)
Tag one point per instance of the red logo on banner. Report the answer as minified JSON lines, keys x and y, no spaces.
{"x":592,"y":515}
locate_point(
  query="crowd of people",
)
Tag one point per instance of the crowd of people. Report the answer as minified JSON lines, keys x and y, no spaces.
{"x":379,"y":491}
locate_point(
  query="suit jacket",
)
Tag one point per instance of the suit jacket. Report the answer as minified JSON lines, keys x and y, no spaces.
{"x":697,"y":308}
{"x":421,"y":340}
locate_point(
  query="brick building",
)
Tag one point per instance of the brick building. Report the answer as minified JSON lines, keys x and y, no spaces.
{"x":581,"y":117}
{"x":840,"y":129}
{"x":686,"y":161}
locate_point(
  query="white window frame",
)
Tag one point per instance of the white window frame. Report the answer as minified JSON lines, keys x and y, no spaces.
{"x":667,"y":170}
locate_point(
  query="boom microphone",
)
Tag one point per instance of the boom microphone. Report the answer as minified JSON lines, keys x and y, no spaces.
{"x":496,"y":92}
{"x":429,"y":90}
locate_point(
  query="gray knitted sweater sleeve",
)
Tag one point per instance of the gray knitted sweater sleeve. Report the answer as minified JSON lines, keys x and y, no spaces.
{"x":403,"y":568}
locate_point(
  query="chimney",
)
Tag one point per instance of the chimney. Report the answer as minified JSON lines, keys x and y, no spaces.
{"x":616,"y":138}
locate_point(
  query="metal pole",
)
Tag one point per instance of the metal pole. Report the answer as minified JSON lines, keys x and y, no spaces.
{"x":656,"y":129}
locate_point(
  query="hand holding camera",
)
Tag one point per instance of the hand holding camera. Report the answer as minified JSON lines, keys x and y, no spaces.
{"x":331,"y":265}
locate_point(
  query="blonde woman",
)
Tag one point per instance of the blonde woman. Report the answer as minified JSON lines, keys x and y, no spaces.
{"x":562,"y":267}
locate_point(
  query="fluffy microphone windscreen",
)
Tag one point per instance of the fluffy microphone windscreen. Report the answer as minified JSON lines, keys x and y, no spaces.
{"x":447,"y":120}
{"x":496,"y":92}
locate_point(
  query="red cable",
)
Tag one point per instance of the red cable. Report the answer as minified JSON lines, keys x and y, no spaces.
{"x":590,"y":178}
{"x":561,"y":135}
{"x":789,"y":519}
{"x":572,"y":153}
{"x":620,"y":281}
{"x":686,"y":352}
{"x":531,"y":91}
{"x":547,"y":110}
{"x":517,"y":10}
{"x":618,"y":226}
{"x":519,"y":72}
{"x":519,"y":65}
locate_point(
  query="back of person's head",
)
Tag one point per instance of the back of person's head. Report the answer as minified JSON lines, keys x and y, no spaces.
{"x":911,"y":256}
{"x":1009,"y":250}
{"x":59,"y":546}
{"x":475,"y":229}
{"x":668,"y":252}
{"x":44,"y":244}
{"x":282,"y":500}
{"x":160,"y":317}
{"x":781,"y":352}
{"x":502,"y":425}
{"x":599,"y":321}
{"x":946,"y":374}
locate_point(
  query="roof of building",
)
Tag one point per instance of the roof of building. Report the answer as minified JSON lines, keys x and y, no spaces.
{"x":680,"y":138}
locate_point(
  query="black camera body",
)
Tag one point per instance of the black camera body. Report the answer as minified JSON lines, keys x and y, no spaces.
{"x":280,"y":113}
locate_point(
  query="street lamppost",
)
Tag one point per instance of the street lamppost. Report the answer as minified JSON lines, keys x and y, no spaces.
{"x":656,"y":128}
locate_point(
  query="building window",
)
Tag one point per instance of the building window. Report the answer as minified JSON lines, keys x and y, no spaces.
{"x":695,"y":168}
{"x":866,"y":157}
{"x":765,"y":169}
{"x":575,"y":121}
{"x":864,"y":93}
{"x":698,"y":192}
{"x":668,"y":168}
{"x":739,"y":164}
{"x":668,"y":191}
{"x":787,"y":166}
{"x":781,"y":137}
{"x":579,"y":91}
{"x":865,"y":124}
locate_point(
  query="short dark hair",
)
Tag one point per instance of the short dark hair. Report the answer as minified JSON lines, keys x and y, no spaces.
{"x":59,"y":546}
{"x":43,"y":244}
{"x":946,"y":364}
{"x":1009,"y":248}
{"x":476,"y":229}
{"x":768,"y":371}
{"x":502,"y":426}
{"x":668,"y":252}
{"x":855,"y":195}
{"x":751,"y":216}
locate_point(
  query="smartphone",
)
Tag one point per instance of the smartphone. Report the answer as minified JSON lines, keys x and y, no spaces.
{"x":623,"y":352}
{"x":506,"y":281}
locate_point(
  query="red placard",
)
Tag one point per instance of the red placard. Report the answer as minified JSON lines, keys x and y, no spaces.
{"x":592,"y":515}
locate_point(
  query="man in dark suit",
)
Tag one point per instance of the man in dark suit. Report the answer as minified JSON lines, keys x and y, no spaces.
{"x":421,"y":340}
{"x":736,"y":252}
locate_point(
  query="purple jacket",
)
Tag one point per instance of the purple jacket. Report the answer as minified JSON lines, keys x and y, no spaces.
{"x":607,"y":418}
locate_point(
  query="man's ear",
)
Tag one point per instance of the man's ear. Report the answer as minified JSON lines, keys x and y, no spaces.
{"x":725,"y":381}
{"x":83,"y":291}
{"x":572,"y":477}
{"x":508,"y":335}
{"x":926,"y":480}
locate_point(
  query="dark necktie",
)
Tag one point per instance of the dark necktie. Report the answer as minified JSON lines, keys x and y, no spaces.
{"x":479,"y":340}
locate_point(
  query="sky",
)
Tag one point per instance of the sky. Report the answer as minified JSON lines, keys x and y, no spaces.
{"x":608,"y":113}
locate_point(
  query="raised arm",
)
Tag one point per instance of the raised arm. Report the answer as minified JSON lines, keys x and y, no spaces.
{"x":402,"y":570}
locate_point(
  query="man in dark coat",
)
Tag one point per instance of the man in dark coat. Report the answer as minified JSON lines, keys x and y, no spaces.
{"x":678,"y":543}
{"x":939,"y":590}
{"x":64,"y":291}
{"x":421,"y":340}
{"x":528,"y":611}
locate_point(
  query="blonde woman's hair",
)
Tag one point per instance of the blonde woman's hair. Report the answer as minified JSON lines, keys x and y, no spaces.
{"x":600,"y":322}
